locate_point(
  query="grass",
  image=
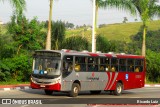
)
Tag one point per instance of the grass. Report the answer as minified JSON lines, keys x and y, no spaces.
{"x":13,"y":82}
{"x":121,"y":31}
{"x":149,"y":82}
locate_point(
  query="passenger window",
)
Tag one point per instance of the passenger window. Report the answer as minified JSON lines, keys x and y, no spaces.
{"x":114,"y":64}
{"x":104,"y":64}
{"x":122,"y":65}
{"x":92,"y":64}
{"x":130,"y":65}
{"x":139,"y":65}
{"x":80,"y":64}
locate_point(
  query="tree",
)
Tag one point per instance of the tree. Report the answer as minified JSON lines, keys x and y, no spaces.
{"x":26,"y":35}
{"x":18,"y":5}
{"x":75,"y":43}
{"x":48,"y":40}
{"x":147,"y":9}
{"x":153,"y":66}
{"x":120,"y":4}
{"x":58,"y":34}
{"x":125,"y":20}
{"x":102,"y":44}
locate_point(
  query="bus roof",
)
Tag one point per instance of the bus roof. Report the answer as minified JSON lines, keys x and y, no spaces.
{"x":86,"y":53}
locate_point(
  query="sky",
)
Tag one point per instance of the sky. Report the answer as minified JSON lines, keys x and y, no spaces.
{"x":78,"y":12}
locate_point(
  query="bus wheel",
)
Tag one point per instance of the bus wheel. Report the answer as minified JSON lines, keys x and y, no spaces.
{"x":48,"y":92}
{"x":119,"y":88}
{"x":75,"y":90}
{"x":95,"y":92}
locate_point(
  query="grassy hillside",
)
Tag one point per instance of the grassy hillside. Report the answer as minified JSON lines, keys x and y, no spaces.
{"x":116,"y":31}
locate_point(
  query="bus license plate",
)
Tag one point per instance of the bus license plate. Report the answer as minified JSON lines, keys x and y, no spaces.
{"x":43,"y":86}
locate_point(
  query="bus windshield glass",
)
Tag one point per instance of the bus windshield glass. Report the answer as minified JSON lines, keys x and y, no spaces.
{"x":46,"y":64}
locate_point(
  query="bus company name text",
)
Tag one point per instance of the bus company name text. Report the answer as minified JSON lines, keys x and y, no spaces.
{"x":92,"y":78}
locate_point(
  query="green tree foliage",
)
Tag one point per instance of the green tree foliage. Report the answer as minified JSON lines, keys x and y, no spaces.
{"x":6,"y":46}
{"x":17,"y":45}
{"x":153,"y":66}
{"x":102,"y":44}
{"x":75,"y":43}
{"x":26,"y":34}
{"x":58,"y":34}
{"x":18,"y":67}
{"x":152,"y":39}
{"x":69,"y":25}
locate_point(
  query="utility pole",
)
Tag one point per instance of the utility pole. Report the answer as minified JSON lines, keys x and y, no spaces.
{"x":93,"y":27}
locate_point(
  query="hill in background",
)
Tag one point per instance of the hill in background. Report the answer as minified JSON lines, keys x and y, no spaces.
{"x":120,"y":32}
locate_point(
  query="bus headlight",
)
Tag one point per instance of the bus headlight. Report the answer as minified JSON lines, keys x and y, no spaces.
{"x":32,"y":80}
{"x":45,"y":72}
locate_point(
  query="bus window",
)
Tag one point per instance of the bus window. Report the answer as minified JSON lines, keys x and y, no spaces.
{"x":80,"y":64}
{"x":130,"y":65}
{"x":138,"y":65}
{"x":114,"y":64}
{"x":122,"y":65}
{"x":68,"y":63}
{"x":104,"y":64}
{"x":92,"y":64}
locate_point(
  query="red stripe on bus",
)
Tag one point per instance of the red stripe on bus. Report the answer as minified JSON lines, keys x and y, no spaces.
{"x":93,"y":54}
{"x":110,"y":80}
{"x":108,"y":73}
{"x":113,"y":76}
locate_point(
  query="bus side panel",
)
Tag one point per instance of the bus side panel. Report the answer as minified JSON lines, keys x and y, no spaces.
{"x":66,"y":85}
{"x":130,"y":80}
{"x":125,"y":78}
{"x":139,"y":79}
{"x":87,"y":80}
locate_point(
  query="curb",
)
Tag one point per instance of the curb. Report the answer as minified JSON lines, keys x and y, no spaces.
{"x":154,"y":85}
{"x":14,"y":87}
{"x":27,"y":86}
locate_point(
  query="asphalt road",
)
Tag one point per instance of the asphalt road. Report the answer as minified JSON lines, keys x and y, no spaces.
{"x":85,"y":99}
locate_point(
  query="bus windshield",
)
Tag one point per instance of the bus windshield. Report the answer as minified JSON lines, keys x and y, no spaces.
{"x":44,"y":65}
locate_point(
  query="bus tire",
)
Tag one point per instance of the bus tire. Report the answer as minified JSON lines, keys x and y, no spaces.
{"x":119,"y":89}
{"x":48,"y":92}
{"x":95,"y":92}
{"x":75,"y":90}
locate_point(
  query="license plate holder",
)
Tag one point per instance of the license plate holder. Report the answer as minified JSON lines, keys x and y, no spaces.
{"x":42,"y":86}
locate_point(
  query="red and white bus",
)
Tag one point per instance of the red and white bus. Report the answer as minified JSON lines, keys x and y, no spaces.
{"x":72,"y":71}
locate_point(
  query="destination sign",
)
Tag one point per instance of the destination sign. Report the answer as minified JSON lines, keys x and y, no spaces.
{"x":48,"y":54}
